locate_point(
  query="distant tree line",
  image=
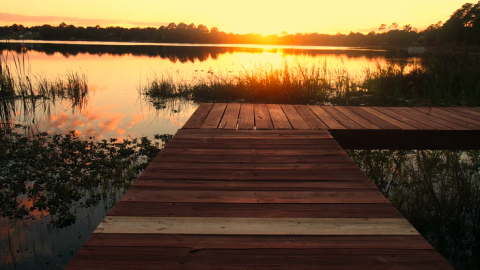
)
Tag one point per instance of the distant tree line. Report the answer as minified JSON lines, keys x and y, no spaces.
{"x":463,"y":27}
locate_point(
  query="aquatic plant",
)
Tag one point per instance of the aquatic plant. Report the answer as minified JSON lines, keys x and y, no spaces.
{"x":437,"y":191}
{"x":54,"y":171}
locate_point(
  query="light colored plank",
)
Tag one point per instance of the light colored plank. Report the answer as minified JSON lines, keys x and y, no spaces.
{"x":256,"y":226}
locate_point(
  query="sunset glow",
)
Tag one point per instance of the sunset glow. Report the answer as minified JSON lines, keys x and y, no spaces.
{"x":248,"y":16}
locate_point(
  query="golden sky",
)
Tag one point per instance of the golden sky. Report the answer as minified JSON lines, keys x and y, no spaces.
{"x":246,"y":16}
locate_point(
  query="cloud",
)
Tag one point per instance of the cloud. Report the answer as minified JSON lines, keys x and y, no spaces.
{"x":12,"y":18}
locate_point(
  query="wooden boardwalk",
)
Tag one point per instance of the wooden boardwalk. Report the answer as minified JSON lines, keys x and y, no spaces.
{"x":259,"y":187}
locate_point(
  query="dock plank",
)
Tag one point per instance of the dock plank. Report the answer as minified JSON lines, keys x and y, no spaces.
{"x":246,"y":119}
{"x":279,"y":119}
{"x":230,"y":118}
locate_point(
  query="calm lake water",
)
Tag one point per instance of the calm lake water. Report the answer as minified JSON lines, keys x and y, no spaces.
{"x":114,"y":72}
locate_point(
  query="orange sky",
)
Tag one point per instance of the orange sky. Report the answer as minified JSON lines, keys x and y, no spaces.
{"x":246,"y":16}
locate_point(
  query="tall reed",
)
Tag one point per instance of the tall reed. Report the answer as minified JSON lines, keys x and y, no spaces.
{"x":22,"y":93}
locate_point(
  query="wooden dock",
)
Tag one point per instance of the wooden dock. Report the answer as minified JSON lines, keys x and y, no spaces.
{"x":268,"y":187}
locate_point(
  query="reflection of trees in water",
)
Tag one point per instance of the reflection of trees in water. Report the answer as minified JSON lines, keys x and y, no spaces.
{"x":183,"y":53}
{"x":437,"y":191}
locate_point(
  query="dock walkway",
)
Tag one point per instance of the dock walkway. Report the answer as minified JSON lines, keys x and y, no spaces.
{"x":267,"y":187}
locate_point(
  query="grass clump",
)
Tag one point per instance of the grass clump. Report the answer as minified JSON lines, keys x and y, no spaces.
{"x":286,"y":84}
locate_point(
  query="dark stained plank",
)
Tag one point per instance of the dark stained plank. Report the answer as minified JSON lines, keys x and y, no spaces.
{"x":256,"y":146}
{"x":357,"y":118}
{"x":402,"y":118}
{"x":257,"y":184}
{"x":330,"y":159}
{"x":249,"y":152}
{"x":213,"y":119}
{"x":235,"y":166}
{"x":326,"y":118}
{"x":405,"y":242}
{"x":372,"y":118}
{"x":238,"y":175}
{"x":262,"y":117}
{"x":264,"y":141}
{"x":296,"y":120}
{"x":341,"y":118}
{"x":459,"y":115}
{"x":279,"y":119}
{"x":312,"y":120}
{"x":111,"y":257}
{"x":197,"y":118}
{"x":230,"y":118}
{"x":388,"y":119}
{"x":301,"y":210}
{"x":161,"y":195}
{"x":410,"y":113}
{"x":450,"y":117}
{"x":246,"y":119}
{"x":429,"y":119}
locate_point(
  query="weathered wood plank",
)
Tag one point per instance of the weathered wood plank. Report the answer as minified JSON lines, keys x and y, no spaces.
{"x":246,"y":119}
{"x":313,"y":121}
{"x":404,"y":242}
{"x":326,"y":118}
{"x":213,"y":119}
{"x":373,"y":119}
{"x":198,"y":117}
{"x":150,"y":194}
{"x":279,"y":119}
{"x":341,"y":118}
{"x":262,"y":117}
{"x":296,"y":120}
{"x":388,"y":119}
{"x":402,"y":118}
{"x":230,"y":118}
{"x":265,"y":210}
{"x":256,"y":226}
{"x":357,"y":118}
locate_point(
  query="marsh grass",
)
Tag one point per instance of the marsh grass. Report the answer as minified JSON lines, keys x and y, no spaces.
{"x":24,"y":94}
{"x":433,"y":80}
{"x":262,"y":83}
{"x":437,"y":191}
